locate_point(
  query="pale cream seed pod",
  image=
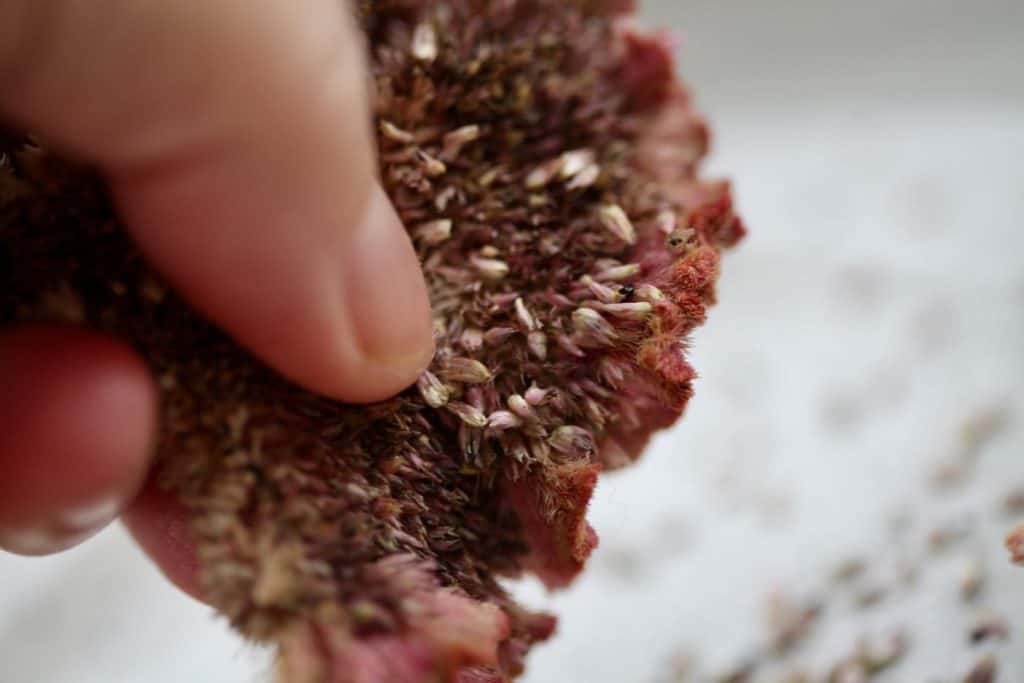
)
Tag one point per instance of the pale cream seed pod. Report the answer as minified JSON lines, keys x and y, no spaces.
{"x":433,"y":390}
{"x":465,"y":371}
{"x":618,"y":273}
{"x":433,"y":233}
{"x":615,"y":221}
{"x":468,"y":414}
{"x":424,"y":43}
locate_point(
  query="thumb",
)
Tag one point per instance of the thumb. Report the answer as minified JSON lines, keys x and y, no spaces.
{"x":236,"y":139}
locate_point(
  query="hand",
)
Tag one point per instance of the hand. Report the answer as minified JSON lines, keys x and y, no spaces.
{"x":235,"y":137}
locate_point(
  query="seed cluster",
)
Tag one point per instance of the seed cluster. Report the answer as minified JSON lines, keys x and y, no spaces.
{"x":544,"y":160}
{"x":915,"y":561}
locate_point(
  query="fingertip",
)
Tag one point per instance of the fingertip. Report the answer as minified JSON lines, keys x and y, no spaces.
{"x":375,"y":334}
{"x":244,"y":168}
{"x":280,"y":234}
{"x":386,"y":303}
{"x":159,"y":524}
{"x":79,"y":416}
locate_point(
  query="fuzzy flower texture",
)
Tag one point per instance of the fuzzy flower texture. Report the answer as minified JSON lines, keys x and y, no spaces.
{"x":544,"y":159}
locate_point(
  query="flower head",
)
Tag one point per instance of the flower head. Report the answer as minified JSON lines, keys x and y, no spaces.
{"x":545,"y":160}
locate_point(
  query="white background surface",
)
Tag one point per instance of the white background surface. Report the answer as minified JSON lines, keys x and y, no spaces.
{"x":878,"y":154}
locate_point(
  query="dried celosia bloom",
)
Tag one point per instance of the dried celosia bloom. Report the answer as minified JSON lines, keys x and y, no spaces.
{"x":544,"y":158}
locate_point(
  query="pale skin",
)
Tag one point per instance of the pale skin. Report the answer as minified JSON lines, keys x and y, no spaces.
{"x":236,"y":139}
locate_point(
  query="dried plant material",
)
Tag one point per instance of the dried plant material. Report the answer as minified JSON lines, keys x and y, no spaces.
{"x":744,"y":673}
{"x":907,"y":572}
{"x":849,"y":570}
{"x":876,"y":657}
{"x":951,"y":472}
{"x":789,"y":620}
{"x":1015,"y":544}
{"x":871,"y":658}
{"x":615,"y":221}
{"x":795,"y":677}
{"x":984,"y":670}
{"x":394,"y":133}
{"x":944,"y":536}
{"x":867,"y":581}
{"x":368,"y":541}
{"x":433,"y":233}
{"x":852,"y":671}
{"x":972,"y":579}
{"x":682,"y":668}
{"x":984,"y":426}
{"x":424,"y":43}
{"x":869,"y":591}
{"x":1012,"y":502}
{"x":976,"y":432}
{"x":987,"y":625}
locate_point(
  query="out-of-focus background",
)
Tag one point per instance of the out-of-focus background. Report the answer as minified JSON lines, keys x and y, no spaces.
{"x":869,"y":339}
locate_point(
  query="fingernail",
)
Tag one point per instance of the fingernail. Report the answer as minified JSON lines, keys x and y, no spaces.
{"x":43,"y":540}
{"x":387,"y":298}
{"x":65,"y":530}
{"x":91,"y":516}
